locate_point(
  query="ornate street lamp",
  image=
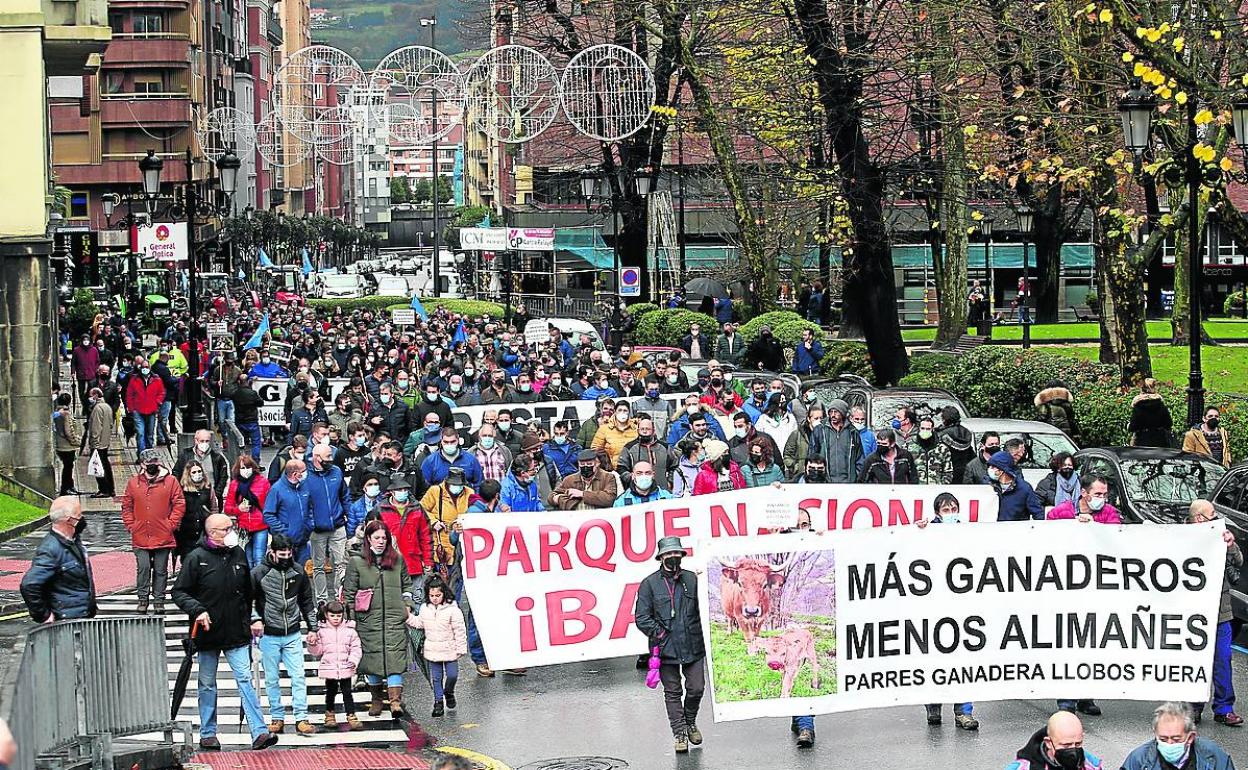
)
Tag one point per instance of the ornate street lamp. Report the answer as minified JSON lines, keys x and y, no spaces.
{"x":1026,"y":219}
{"x":1136,"y":110}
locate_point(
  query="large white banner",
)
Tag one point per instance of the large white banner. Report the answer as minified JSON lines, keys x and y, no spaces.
{"x":272,"y":391}
{"x":557,"y":587}
{"x":950,"y":614}
{"x":483,"y":238}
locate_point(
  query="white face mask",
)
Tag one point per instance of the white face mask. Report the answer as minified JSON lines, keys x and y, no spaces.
{"x":1096,"y":503}
{"x":230,"y":540}
{"x":377,"y":549}
{"x":372,"y":490}
{"x":323,"y":440}
{"x":245,"y":473}
{"x":203,"y":446}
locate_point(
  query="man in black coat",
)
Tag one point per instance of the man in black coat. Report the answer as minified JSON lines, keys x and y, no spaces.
{"x":667,"y":613}
{"x":59,"y":584}
{"x":247,"y":403}
{"x":764,"y":353}
{"x":214,"y":589}
{"x":390,"y":415}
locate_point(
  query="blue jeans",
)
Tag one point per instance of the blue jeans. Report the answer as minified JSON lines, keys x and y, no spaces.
{"x":1223,"y":687}
{"x":144,"y":431}
{"x":251,"y":431}
{"x":257,"y":546}
{"x":163,"y":424}
{"x":392,"y":680}
{"x":475,"y":649}
{"x":960,"y":708}
{"x":803,"y":723}
{"x":225,"y":411}
{"x":239,"y":660}
{"x":288,"y":651}
{"x":438,"y":670}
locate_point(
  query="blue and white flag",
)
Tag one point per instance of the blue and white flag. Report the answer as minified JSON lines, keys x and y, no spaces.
{"x":419,"y":308}
{"x":257,"y":339}
{"x":263,"y":258}
{"x":307,"y":263}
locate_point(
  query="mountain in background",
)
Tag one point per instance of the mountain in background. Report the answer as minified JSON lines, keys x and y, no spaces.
{"x":369,"y":30}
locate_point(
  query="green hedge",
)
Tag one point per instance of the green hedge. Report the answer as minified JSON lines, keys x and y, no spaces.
{"x":845,"y":357}
{"x":639,"y":309}
{"x":471,"y":307}
{"x":362,"y":303}
{"x":668,"y":327}
{"x":749,"y":331}
{"x":1001,"y":382}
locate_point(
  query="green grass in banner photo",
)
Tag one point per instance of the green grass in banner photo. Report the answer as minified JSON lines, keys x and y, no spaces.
{"x":740,"y":676}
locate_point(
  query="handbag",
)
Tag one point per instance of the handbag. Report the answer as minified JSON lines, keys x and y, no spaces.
{"x":652,"y":676}
{"x":363,"y":600}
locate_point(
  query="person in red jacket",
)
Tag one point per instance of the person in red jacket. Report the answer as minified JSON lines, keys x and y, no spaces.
{"x":145,"y":392}
{"x":244,"y":502}
{"x":152,"y":509}
{"x":404,"y":517}
{"x":719,"y":473}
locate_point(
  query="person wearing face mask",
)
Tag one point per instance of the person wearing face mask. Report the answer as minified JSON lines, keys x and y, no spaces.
{"x":346,"y":413}
{"x":1017,"y":499}
{"x":719,"y":473}
{"x":247,"y":403}
{"x":667,"y":612}
{"x":328,"y":502}
{"x":799,"y":446}
{"x":309,"y":413}
{"x":364,"y":508}
{"x":444,"y":503}
{"x":1176,"y":746}
{"x":287,"y":510}
{"x":216,"y":467}
{"x":431,"y":402}
{"x":283,"y":603}
{"x":214,"y":589}
{"x":1062,"y":483}
{"x":589,"y":488}
{"x":760,"y":469}
{"x":244,"y":502}
{"x":151,"y":510}
{"x":600,"y":387}
{"x":718,"y":398}
{"x":643,"y":487}
{"x":1056,"y":746}
{"x":145,"y":392}
{"x":510,"y":430}
{"x":201,"y":502}
{"x":60,"y":584}
{"x":977,"y":469}
{"x":649,"y":449}
{"x":890,"y":463}
{"x":932,"y":459}
{"x":404,"y":518}
{"x":838,"y":444}
{"x":765,"y":352}
{"x":449,"y":454}
{"x":499,"y":392}
{"x":390,"y":415}
{"x":616,"y":433}
{"x":556,"y":389}
{"x":519,"y":488}
{"x":493,"y":455}
{"x":1210,"y":439}
{"x":589,"y":427}
{"x":1203,"y":512}
{"x":561,"y":451}
{"x":355,"y":449}
{"x":653,"y":405}
{"x":99,"y":437}
{"x":267,"y":367}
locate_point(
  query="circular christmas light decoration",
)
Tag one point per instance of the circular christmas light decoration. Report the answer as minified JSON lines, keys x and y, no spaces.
{"x":411,"y":79}
{"x":279,"y":148}
{"x":512,"y":94}
{"x":336,"y":135}
{"x":225,"y":129}
{"x":312,"y":81}
{"x":607,"y":92}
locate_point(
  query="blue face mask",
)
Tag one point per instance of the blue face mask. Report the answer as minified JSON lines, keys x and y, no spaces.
{"x":561,"y":440}
{"x":434,"y":431}
{"x":1172,"y":752}
{"x":400,"y":495}
{"x":652,"y":393}
{"x":361,"y":440}
{"x":896,"y":424}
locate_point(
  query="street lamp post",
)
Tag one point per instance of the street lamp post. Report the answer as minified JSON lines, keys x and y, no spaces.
{"x":1026,"y":218}
{"x":432,"y":24}
{"x":985,"y":226}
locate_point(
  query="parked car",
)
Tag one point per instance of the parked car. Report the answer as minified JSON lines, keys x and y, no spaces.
{"x":882,"y":403}
{"x":1230,"y":500}
{"x":828,"y":388}
{"x":1151,"y":485}
{"x":1042,"y":441}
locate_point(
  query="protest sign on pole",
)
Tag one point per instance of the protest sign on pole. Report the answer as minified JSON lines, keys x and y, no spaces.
{"x":951,"y":614}
{"x":272,"y":391}
{"x":557,"y":587}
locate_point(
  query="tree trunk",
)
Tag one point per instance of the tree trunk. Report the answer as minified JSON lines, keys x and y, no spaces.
{"x":1050,"y":235}
{"x":951,"y":277}
{"x":1123,"y":279}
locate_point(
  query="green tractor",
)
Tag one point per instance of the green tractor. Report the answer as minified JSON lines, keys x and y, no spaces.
{"x":152,"y":294}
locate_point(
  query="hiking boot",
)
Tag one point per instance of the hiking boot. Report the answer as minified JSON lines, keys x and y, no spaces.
{"x":304,"y":727}
{"x":263,"y":741}
{"x":141,"y":609}
{"x":805,"y":738}
{"x":966,"y":722}
{"x":374,"y":708}
{"x":353,"y":722}
{"x":1089,"y":707}
{"x":1230,"y":719}
{"x":210,"y":743}
{"x":277,"y":726}
{"x":694,"y":735}
{"x":396,"y":701}
{"x":485,"y":671}
{"x":450,"y":700}
{"x":933,"y":715}
{"x":158,"y":608}
{"x":438,"y":710}
{"x":331,"y":721}
{"x":682,"y":744}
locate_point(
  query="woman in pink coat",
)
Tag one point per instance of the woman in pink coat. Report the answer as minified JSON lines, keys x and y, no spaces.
{"x":446,"y":639}
{"x":338,"y":647}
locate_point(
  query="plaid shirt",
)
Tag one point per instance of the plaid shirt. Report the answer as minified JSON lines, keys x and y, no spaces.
{"x":494,"y":462}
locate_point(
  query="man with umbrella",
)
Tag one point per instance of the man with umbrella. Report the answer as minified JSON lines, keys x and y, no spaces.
{"x":214,"y":589}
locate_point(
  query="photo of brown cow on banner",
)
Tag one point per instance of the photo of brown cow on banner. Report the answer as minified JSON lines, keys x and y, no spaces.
{"x":772,"y":625}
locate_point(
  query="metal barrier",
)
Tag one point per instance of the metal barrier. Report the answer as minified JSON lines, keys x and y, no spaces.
{"x":83,"y":683}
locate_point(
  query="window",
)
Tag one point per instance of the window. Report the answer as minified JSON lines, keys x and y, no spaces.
{"x":113,"y":82}
{"x":1232,"y":489}
{"x":115,"y":21}
{"x":148,"y":85}
{"x":78,"y":205}
{"x":149,"y":23}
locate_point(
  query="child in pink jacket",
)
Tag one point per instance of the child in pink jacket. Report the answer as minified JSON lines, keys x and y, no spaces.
{"x":446,"y":639}
{"x":338,"y":647}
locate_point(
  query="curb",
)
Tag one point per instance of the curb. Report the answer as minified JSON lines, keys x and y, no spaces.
{"x":24,"y":529}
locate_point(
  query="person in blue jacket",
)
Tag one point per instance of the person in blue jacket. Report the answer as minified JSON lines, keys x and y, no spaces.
{"x":1175,"y":744}
{"x":601,"y":388}
{"x":328,"y":504}
{"x":450,"y":454}
{"x":365,"y":506}
{"x":808,"y":354}
{"x":561,"y":451}
{"x":287,"y":508}
{"x":267,"y":367}
{"x":519,"y":488}
{"x":1018,"y":501}
{"x":641,"y":487}
{"x":59,"y":584}
{"x":696,"y":424}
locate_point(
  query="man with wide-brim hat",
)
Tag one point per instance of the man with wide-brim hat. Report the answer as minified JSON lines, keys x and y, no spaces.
{"x":667,"y":613}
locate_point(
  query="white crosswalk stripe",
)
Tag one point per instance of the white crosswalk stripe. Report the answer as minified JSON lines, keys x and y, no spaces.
{"x":231,"y":728}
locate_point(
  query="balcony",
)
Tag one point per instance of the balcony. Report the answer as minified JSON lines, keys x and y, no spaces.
{"x":276,"y":35}
{"x":147,"y":109}
{"x":145,"y":50}
{"x":145,"y":4}
{"x":75,"y":29}
{"x":119,"y":170}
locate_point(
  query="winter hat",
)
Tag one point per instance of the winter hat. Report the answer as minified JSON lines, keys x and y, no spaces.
{"x":455,"y":475}
{"x":669,"y":545}
{"x":530,"y":442}
{"x":839,"y":405}
{"x":714,"y":449}
{"x":150,"y":456}
{"x":586,"y":455}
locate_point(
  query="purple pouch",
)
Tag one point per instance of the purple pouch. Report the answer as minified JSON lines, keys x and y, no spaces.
{"x":652,"y":676}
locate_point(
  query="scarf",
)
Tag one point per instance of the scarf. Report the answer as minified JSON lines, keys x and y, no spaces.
{"x":243,"y":491}
{"x":1067,"y":489}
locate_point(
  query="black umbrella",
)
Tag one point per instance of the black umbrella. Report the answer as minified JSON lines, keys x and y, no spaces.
{"x":184,"y":672}
{"x":705,"y":287}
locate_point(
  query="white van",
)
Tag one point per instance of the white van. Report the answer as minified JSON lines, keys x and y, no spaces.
{"x":391,"y":286}
{"x":537,"y":331}
{"x":341,"y":286}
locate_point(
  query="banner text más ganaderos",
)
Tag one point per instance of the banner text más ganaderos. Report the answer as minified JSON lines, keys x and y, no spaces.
{"x":952,"y":614}
{"x":559,"y":586}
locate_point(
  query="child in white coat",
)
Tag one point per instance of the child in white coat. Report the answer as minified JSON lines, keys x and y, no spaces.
{"x":446,"y":639}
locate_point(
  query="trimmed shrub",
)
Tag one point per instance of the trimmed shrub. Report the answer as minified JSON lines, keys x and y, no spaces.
{"x":1234,"y":303}
{"x":361,"y":303}
{"x":470,"y":307}
{"x":639,"y":309}
{"x":668,"y":327}
{"x":790,"y":333}
{"x":845,"y":357}
{"x":744,"y":311}
{"x":749,"y":331}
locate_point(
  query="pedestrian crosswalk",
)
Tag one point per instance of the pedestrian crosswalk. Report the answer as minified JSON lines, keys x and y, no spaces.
{"x":231,"y":727}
